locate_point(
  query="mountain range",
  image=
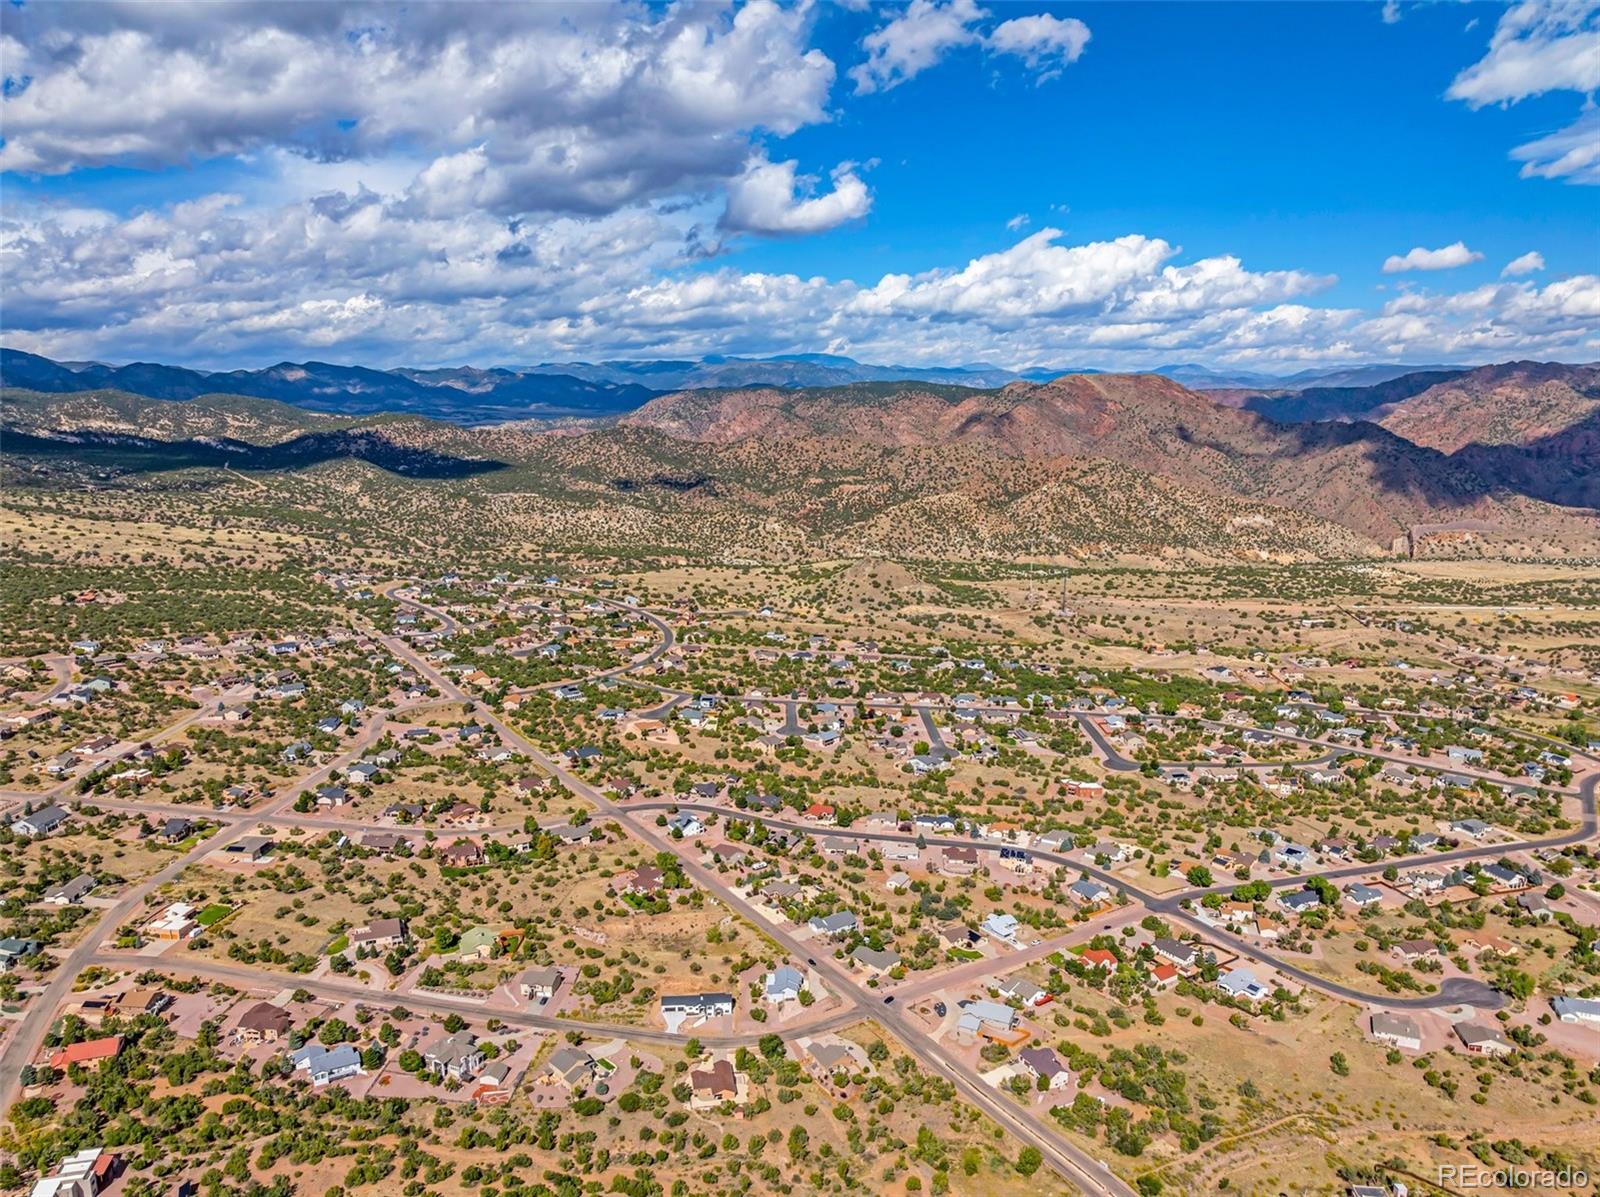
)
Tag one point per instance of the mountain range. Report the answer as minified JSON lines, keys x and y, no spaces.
{"x":1125,"y":463}
{"x":470,"y":395}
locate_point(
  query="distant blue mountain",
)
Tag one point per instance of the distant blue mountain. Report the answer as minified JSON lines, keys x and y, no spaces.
{"x":470,"y":395}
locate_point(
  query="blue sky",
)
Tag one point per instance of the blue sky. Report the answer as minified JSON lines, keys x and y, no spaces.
{"x":1094,"y":185}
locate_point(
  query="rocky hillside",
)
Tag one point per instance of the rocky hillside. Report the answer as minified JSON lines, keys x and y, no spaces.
{"x":1517,"y":403}
{"x":1359,"y":476}
{"x":1520,"y":403}
{"x":1118,"y":464}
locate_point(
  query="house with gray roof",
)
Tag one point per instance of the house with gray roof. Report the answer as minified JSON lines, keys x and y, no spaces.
{"x":324,"y":1065}
{"x":569,"y":1066}
{"x":1362,"y":896}
{"x":1398,"y":1030}
{"x":874,"y":959}
{"x":979,"y":1015}
{"x":43,"y":821}
{"x":70,"y":893}
{"x":1576,"y":1009}
{"x":783,"y":984}
{"x":1242,"y":984}
{"x":841,"y":922}
{"x":454,"y":1057}
{"x":1481,"y":1039}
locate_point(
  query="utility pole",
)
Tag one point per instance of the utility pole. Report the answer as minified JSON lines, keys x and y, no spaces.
{"x":1064,"y":610}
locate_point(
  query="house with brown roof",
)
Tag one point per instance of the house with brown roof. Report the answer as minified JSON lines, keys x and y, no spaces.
{"x":462,"y":853}
{"x":265,"y":1023}
{"x":646,"y":881}
{"x":716,"y":1084}
{"x":958,"y":861}
{"x":1410,"y":950}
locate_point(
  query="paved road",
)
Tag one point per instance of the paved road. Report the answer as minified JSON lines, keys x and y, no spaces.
{"x":29,"y":1034}
{"x":1470,"y":992}
{"x":1075,"y":1165}
{"x":66,"y":785}
{"x":1109,"y":755}
{"x":189,"y":964}
{"x":61,"y":666}
{"x":1024,"y":1123}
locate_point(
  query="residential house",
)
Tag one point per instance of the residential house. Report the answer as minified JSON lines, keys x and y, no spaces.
{"x":1163,"y":976}
{"x":1361,"y":896}
{"x":462,"y":853}
{"x":569,"y":1066}
{"x":645,"y":881}
{"x":1242,"y":985}
{"x":718,"y":1083}
{"x":1397,"y":1030}
{"x":85,"y":1173}
{"x":703,"y":1005}
{"x":176,"y":922}
{"x":480,"y":941}
{"x":86,"y":1052}
{"x":1020,"y":989}
{"x":539,"y":984}
{"x":1536,"y":905}
{"x":1300,"y":901}
{"x":1001,"y":926}
{"x":686,"y":824}
{"x":13,"y":950}
{"x":834,"y":926}
{"x":875,"y":960}
{"x":958,"y":861}
{"x":982,"y":1015}
{"x":42,"y":822}
{"x":1088,"y":892}
{"x":380,"y":933}
{"x":1411,"y":950}
{"x":1043,"y":1064}
{"x":71,"y":893}
{"x":252,"y":848}
{"x":829,"y":1059}
{"x":1481,"y":1039}
{"x":454,"y":1057}
{"x":325,"y":1065}
{"x":1576,"y":1009}
{"x":265,"y":1023}
{"x":783,"y":984}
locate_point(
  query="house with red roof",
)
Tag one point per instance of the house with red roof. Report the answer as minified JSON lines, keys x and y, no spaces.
{"x":89,"y":1051}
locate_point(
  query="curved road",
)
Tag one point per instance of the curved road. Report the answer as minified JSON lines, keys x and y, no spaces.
{"x":1024,"y":1122}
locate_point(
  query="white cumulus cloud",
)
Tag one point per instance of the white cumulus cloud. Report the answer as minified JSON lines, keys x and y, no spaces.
{"x":1045,"y":43}
{"x":770,"y":198}
{"x":920,"y":35}
{"x":1528,"y":263}
{"x":1447,"y":257}
{"x":916,"y":39}
{"x":581,"y":107}
{"x":1537,"y":47}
